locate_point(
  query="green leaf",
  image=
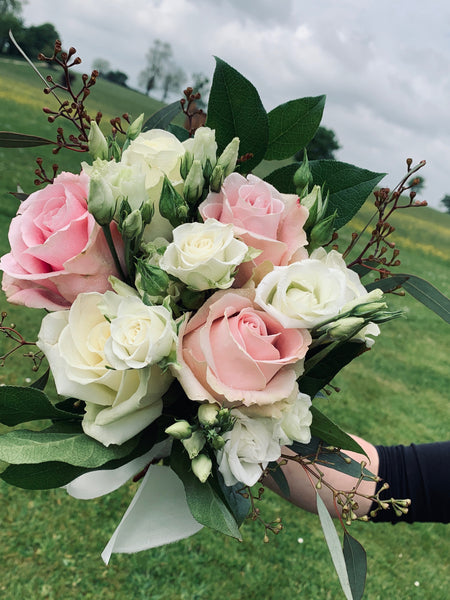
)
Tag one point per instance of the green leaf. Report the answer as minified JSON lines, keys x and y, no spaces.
{"x":420,"y":289}
{"x":327,"y":368}
{"x":349,"y":187}
{"x":162,"y":118}
{"x":276,"y":472}
{"x":23,"y":404}
{"x":10,"y":139}
{"x":238,"y":505}
{"x":41,"y":382}
{"x":356,"y":563}
{"x":329,"y":458}
{"x":180,"y":133}
{"x":59,"y":444}
{"x":235,"y":109}
{"x":283,"y":178}
{"x":324,"y":428}
{"x":54,"y":474}
{"x":292,"y":125}
{"x":334,"y":546}
{"x":204,"y":503}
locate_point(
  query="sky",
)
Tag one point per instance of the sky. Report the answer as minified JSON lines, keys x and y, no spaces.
{"x":383,"y":64}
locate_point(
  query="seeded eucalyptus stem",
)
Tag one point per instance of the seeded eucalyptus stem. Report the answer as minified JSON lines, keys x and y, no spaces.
{"x":112,"y":249}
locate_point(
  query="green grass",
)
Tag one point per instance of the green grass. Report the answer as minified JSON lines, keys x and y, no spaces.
{"x":50,"y":544}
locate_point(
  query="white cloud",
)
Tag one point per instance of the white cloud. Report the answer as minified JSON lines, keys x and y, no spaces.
{"x":385,"y":66}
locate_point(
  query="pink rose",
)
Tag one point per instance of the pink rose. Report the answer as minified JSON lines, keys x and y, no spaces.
{"x":234,"y":353}
{"x":57,"y":248}
{"x":262,"y":217}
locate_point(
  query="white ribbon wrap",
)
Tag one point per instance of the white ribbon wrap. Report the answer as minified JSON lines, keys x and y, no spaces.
{"x":158,"y":514}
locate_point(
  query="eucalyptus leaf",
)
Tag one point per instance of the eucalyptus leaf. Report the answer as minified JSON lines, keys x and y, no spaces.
{"x":180,"y":133}
{"x":317,"y":377}
{"x":276,"y":472}
{"x":334,"y":546}
{"x":420,"y":289}
{"x":54,"y":474}
{"x":292,"y":125}
{"x":235,"y":110}
{"x":332,"y":459}
{"x":162,"y":118}
{"x":56,"y":443}
{"x":11,"y":139}
{"x":356,"y":563}
{"x":238,"y":505}
{"x":324,"y":428}
{"x":23,"y":404}
{"x":204,"y":503}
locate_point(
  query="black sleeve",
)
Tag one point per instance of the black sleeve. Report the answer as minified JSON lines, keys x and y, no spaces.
{"x":420,"y":472}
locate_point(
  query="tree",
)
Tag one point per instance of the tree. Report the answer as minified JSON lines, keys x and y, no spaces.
{"x":10,"y":6}
{"x":446,"y":202}
{"x":201,"y":85}
{"x":323,"y":145}
{"x":158,"y":58}
{"x":172,"y":80}
{"x":118,"y":77}
{"x":102,"y":66}
{"x":10,"y":19}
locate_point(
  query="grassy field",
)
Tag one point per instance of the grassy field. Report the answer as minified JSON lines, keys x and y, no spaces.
{"x":50,"y":544}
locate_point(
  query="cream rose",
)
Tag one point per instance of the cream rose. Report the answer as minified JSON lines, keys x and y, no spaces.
{"x":248,"y":449}
{"x":159,"y":153}
{"x":306,"y":293}
{"x":204,"y":255}
{"x":80,"y":346}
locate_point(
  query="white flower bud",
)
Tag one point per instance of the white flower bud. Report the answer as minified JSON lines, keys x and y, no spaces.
{"x":193,"y":186}
{"x":101,"y":202}
{"x":201,"y":467}
{"x":207,"y":414}
{"x":98,"y":146}
{"x":194,"y":443}
{"x":227,"y":160}
{"x":180,"y":430}
{"x":135,"y":128}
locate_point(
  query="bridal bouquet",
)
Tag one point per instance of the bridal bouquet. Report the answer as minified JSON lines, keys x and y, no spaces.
{"x":194,"y":311}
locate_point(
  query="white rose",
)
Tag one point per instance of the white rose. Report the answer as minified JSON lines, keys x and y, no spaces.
{"x":140,"y":335}
{"x":203,"y":146}
{"x":120,"y":402}
{"x":248,"y":449}
{"x":124,"y":181}
{"x":295,"y":422}
{"x":159,"y":153}
{"x":304,"y":294}
{"x":204,"y":255}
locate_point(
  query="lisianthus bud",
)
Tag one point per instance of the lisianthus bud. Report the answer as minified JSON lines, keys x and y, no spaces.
{"x":186,"y":163}
{"x":216,"y":180}
{"x":344,"y":328}
{"x":227,"y":160}
{"x":201,"y":467}
{"x":207,"y":414}
{"x":369,"y":309}
{"x":321,"y":232}
{"x":98,"y":146}
{"x":313,"y":202}
{"x":194,"y":443}
{"x":218,"y":442}
{"x":193,"y":186}
{"x":101,"y":203}
{"x":203,"y":146}
{"x":172,"y":205}
{"x":303,"y":177}
{"x":180,"y":430}
{"x":132,"y":225}
{"x":147,"y":211}
{"x":135,"y":128}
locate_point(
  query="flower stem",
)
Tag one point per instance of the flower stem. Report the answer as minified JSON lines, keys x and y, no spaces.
{"x":107,"y":232}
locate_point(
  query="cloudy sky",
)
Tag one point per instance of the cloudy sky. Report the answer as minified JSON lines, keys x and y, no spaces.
{"x":384,"y":64}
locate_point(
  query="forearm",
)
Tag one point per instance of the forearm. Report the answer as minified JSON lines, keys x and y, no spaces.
{"x":302,"y":485}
